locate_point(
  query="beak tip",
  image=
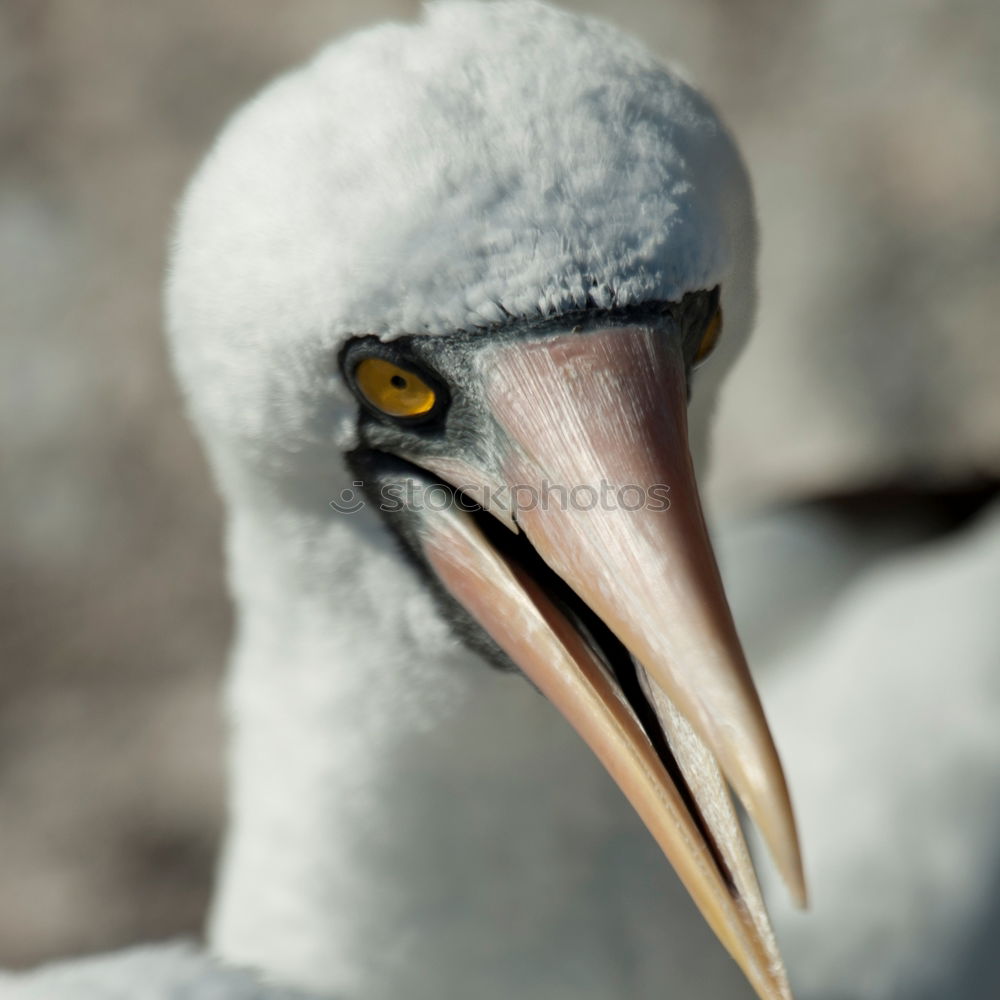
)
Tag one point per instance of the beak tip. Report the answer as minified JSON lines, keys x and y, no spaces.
{"x":787,"y":854}
{"x":789,"y":857}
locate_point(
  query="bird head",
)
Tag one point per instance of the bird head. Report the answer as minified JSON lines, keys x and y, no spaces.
{"x":493,"y":266}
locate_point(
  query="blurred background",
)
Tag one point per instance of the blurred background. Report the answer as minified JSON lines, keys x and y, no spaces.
{"x":873,"y":134}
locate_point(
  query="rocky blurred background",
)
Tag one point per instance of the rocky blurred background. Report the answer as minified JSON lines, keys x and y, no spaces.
{"x":873,"y":134}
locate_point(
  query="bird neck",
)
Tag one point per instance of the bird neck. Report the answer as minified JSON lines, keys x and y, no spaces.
{"x":341,"y":671}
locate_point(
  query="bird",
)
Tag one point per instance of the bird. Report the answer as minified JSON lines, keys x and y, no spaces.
{"x":450,"y":306}
{"x":479,"y":257}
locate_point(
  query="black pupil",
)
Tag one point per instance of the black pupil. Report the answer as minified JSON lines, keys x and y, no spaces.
{"x":398,"y":381}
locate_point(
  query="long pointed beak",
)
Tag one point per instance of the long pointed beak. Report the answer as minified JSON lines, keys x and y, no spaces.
{"x":599,"y":479}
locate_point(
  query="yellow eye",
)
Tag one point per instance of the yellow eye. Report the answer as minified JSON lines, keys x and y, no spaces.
{"x":394,"y":390}
{"x":709,"y":338}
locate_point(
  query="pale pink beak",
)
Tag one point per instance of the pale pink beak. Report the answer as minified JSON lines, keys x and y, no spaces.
{"x":596,"y":447}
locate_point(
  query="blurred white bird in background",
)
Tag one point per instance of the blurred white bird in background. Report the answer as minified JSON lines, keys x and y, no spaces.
{"x":405,"y":278}
{"x":874,"y":627}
